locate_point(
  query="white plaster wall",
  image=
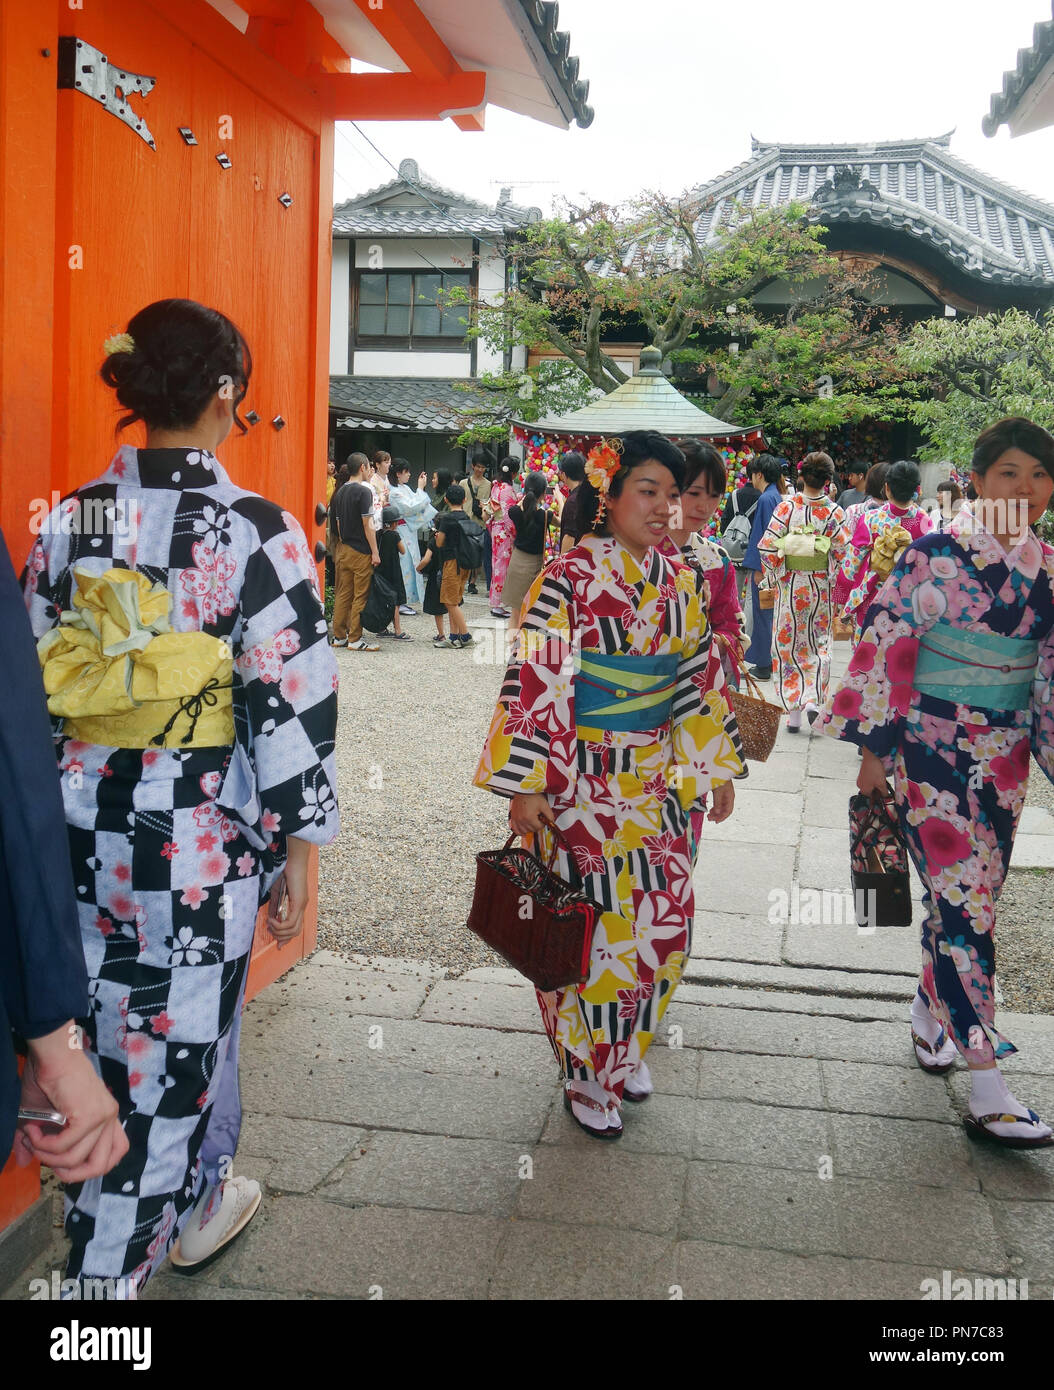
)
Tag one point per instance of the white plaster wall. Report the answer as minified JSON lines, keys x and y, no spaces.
{"x":491,"y":288}
{"x":372,"y":363}
{"x":340,"y":309}
{"x":409,"y":253}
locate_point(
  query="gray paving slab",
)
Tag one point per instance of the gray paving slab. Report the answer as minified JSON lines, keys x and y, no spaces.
{"x":741,"y":877}
{"x":733,"y":936}
{"x":431,"y":1171}
{"x":832,"y":758}
{"x":674,"y":1070}
{"x":335,"y":984}
{"x":795,"y":1035}
{"x":739,"y":1204}
{"x":896,"y":1150}
{"x":395,"y":1097}
{"x":905,"y":1221}
{"x":1027,"y":1229}
{"x":825,"y":805}
{"x":1035,"y":820}
{"x":300,"y":1152}
{"x":790,"y":1001}
{"x":662,"y":1124}
{"x":782,"y":1081}
{"x":1034,"y":851}
{"x":737,"y":1131}
{"x":1015,"y":1174}
{"x":440,"y":1048}
{"x":708,"y":1271}
{"x":764,"y":975}
{"x":862,"y":1088}
{"x":483,"y":1005}
{"x":760,"y":815}
{"x":644,"y":1189}
{"x":783,"y":771}
{"x":311,"y":1246}
{"x":887,"y":950}
{"x":565,"y":1263}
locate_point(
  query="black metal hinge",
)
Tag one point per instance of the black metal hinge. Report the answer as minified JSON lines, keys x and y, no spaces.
{"x":83,"y":68}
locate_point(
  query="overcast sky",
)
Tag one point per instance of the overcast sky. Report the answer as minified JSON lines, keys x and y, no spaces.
{"x":679,"y":86}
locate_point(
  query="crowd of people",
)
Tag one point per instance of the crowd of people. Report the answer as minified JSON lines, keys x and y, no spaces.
{"x":192,"y":686}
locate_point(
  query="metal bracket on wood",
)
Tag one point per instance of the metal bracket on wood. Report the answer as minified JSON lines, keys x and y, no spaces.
{"x":82,"y":68}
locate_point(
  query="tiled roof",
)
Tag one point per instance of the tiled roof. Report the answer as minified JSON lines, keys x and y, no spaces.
{"x":994,"y":232}
{"x":403,"y":403}
{"x":439,"y":211}
{"x":646,"y":402}
{"x":1016,"y":82}
{"x":543,"y":16}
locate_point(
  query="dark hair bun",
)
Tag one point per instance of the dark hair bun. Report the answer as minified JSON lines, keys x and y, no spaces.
{"x":183,"y":354}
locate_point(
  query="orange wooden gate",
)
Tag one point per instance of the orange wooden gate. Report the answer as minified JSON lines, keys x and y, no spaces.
{"x":95,"y":223}
{"x":232,"y":220}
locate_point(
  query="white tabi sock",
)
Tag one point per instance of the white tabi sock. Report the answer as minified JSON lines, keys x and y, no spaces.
{"x":923,"y":1021}
{"x":990,"y":1095}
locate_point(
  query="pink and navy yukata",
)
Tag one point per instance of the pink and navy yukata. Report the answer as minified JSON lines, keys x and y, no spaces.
{"x":950,"y":685}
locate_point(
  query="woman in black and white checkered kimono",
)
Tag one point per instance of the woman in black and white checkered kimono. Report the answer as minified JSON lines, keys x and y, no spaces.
{"x":185,"y":657}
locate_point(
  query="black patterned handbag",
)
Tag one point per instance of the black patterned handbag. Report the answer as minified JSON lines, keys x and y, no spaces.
{"x":878,"y":861}
{"x":534,"y":920}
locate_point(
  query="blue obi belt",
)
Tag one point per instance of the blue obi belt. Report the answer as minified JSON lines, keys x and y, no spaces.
{"x":624,"y":694}
{"x":976,"y":668}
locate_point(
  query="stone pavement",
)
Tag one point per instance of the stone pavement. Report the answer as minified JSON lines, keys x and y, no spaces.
{"x":408,"y":1127}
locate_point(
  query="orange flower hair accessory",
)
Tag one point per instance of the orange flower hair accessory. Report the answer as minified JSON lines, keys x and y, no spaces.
{"x":602,"y":463}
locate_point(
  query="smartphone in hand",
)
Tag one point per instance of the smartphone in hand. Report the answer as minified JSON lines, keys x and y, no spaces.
{"x":278,"y":907}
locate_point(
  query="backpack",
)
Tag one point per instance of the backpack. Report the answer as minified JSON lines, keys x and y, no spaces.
{"x":737,"y":537}
{"x":380,"y":604}
{"x":467,"y":545}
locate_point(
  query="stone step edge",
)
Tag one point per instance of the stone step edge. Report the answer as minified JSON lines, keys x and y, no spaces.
{"x":799,"y":980}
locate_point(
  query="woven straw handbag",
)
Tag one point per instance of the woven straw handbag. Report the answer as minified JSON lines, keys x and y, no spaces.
{"x":767,"y":598}
{"x":758,"y":721}
{"x":534,"y":920}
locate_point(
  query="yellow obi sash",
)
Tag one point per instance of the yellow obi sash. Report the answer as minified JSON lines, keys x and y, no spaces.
{"x":118,"y":675}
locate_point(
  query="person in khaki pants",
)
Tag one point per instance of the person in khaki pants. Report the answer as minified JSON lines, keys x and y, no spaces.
{"x":355,"y":557}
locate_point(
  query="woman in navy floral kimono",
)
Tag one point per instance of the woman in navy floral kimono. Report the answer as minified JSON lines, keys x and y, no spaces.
{"x":184,"y":654}
{"x":948,"y":691}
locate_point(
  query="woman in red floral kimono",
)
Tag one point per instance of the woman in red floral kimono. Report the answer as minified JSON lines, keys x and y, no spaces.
{"x":948,"y":691}
{"x":609,"y":617}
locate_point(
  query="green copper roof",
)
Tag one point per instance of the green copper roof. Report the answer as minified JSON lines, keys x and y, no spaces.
{"x":646,"y":402}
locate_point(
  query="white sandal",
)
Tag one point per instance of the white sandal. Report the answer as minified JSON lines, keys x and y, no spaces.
{"x":199,"y":1245}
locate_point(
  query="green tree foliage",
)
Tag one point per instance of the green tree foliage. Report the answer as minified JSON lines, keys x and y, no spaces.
{"x":828,"y":360}
{"x":973,"y":371}
{"x":580,"y":279}
{"x":577,"y":278}
{"x":554,"y":387}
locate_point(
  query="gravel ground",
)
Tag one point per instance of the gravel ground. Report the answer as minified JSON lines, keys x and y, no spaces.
{"x":1025,"y":925}
{"x":398,"y":881}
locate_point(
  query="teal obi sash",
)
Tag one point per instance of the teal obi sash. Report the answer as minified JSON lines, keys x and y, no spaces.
{"x":976,"y":668}
{"x":624,"y":694}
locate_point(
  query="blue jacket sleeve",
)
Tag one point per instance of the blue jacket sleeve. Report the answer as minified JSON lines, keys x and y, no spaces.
{"x":43,"y":980}
{"x":767,"y":504}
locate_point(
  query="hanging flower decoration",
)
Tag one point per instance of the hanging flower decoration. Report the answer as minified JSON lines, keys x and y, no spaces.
{"x":602,"y":463}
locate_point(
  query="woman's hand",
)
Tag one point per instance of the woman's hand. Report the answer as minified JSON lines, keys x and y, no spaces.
{"x":872,"y":775}
{"x":59,"y":1076}
{"x":527,"y":814}
{"x":422,"y":478}
{"x":722,"y":803}
{"x":296,"y":879}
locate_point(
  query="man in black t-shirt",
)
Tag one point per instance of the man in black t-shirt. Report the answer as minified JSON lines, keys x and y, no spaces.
{"x":356,"y":555}
{"x":572,"y":474}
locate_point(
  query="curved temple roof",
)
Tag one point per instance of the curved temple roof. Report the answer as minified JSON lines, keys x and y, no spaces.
{"x":1025,"y":102}
{"x":995,"y":233}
